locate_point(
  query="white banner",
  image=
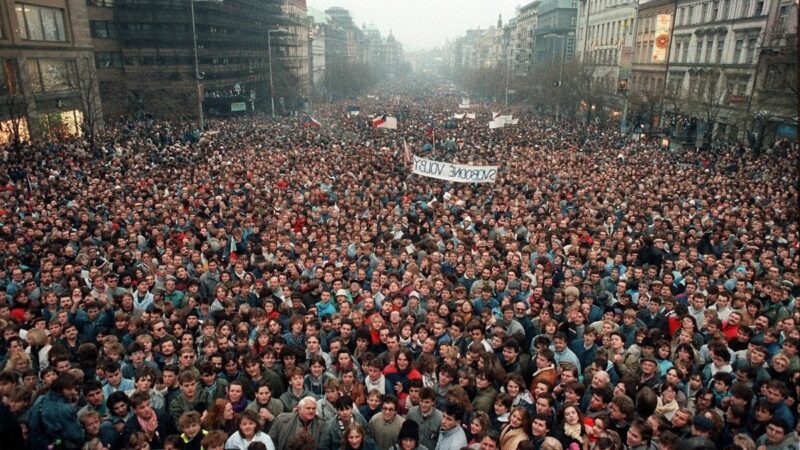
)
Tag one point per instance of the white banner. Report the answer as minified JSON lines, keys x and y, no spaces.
{"x":470,"y":115}
{"x":458,"y":116}
{"x":458,"y":173}
{"x":507,"y":120}
{"x":663,"y":25}
{"x":496,"y":124}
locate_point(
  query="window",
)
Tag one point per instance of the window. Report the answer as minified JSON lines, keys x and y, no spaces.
{"x":103,"y":29}
{"x":751,"y":50}
{"x":759,"y":7}
{"x":737,"y":52}
{"x":104,"y":3}
{"x":49,"y":75}
{"x":783,"y":17}
{"x":698,"y":51}
{"x":725,"y":7}
{"x":714,"y":12}
{"x":39,"y":23}
{"x":704,"y":12}
{"x":678,"y":17}
{"x":709,"y":43}
{"x":720,"y":49}
{"x":685,"y":57}
{"x":746,"y":7}
{"x":678,"y":48}
{"x":104,"y":60}
{"x":690,"y":15}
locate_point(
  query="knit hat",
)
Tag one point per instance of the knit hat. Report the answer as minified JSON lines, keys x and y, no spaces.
{"x":409,"y":430}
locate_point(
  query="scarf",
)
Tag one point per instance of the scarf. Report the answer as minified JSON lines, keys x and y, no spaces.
{"x":380,"y":385}
{"x":574,"y":432}
{"x":149,"y":426}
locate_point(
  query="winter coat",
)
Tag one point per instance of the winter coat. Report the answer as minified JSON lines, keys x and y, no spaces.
{"x":511,"y":437}
{"x":428,"y":426}
{"x":331,"y":437}
{"x":288,"y":424}
{"x":53,"y":418}
{"x":238,"y":442}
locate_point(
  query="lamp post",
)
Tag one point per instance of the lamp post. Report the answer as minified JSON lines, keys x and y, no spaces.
{"x":561,"y":72}
{"x":269,"y":46}
{"x":201,"y":119}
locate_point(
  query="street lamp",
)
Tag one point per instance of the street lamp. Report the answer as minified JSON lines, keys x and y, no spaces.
{"x":269,"y":45}
{"x":197,"y":76}
{"x":561,"y":71}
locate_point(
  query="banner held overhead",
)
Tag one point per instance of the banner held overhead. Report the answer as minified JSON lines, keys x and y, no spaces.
{"x":458,"y":173}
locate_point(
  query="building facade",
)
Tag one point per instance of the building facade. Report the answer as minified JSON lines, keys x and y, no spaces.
{"x":48,"y":80}
{"x":604,"y":31}
{"x":524,"y":28}
{"x":712,"y":65}
{"x":554,"y":35}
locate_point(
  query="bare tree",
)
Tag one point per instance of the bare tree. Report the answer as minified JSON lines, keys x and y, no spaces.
{"x":644,"y":102}
{"x":86,"y":85}
{"x":580,"y":81}
{"x":706,"y":101}
{"x":15,"y":108}
{"x":14,"y":104}
{"x":777,"y":98}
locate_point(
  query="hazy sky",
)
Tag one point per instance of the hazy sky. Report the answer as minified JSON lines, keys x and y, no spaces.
{"x":422,"y":24}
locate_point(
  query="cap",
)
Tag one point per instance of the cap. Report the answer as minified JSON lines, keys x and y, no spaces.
{"x":649,"y":358}
{"x":409,"y":430}
{"x":414,"y":294}
{"x":647,"y":342}
{"x":341,"y":293}
{"x":513,"y":285}
{"x":703,"y":423}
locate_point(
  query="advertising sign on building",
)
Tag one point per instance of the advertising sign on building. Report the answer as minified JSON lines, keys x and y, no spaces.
{"x":663,"y":25}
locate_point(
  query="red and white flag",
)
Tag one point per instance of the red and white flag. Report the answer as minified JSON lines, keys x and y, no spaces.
{"x":384,"y":121}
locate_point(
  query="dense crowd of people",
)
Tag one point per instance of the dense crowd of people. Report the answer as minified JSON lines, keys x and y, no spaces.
{"x":273,"y":285}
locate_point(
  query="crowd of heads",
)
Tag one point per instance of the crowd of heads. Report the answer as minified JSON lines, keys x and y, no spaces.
{"x":172,"y":289}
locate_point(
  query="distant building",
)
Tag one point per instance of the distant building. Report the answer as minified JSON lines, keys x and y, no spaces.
{"x":524,"y":32}
{"x":605,"y":30}
{"x":145,"y":55}
{"x":554,"y":35}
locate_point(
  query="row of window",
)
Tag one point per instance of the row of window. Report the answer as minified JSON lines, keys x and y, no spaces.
{"x":718,"y":10}
{"x":712,"y":50}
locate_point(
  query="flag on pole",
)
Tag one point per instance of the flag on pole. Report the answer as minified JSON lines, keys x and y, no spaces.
{"x":431,"y":133}
{"x":309,"y":122}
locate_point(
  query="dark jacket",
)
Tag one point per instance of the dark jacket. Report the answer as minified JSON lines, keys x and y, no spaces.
{"x":53,"y":418}
{"x":10,"y":431}
{"x":165,"y":428}
{"x":288,"y":424}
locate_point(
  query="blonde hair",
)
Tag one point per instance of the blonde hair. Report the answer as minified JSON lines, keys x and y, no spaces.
{"x":11,"y":364}
{"x":551,"y":443}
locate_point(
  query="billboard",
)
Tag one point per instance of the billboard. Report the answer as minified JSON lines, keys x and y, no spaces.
{"x":663,"y":25}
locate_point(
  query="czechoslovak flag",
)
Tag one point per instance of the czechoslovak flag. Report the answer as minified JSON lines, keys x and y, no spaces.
{"x":310,"y":122}
{"x":384,"y":121}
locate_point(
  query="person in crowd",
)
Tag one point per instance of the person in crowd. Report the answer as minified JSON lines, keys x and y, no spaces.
{"x":261,"y":273}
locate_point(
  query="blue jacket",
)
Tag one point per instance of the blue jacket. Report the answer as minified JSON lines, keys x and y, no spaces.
{"x":54,"y":418}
